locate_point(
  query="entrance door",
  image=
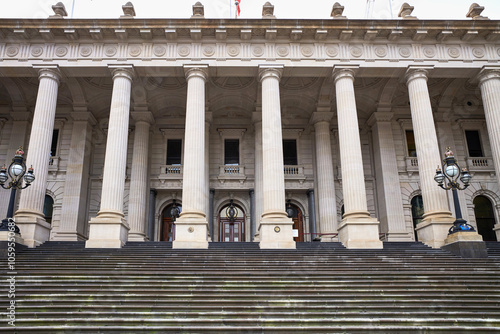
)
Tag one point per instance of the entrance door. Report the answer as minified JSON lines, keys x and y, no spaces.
{"x":298,"y":225}
{"x":232,"y":229}
{"x":485,"y":218}
{"x":167,"y":231}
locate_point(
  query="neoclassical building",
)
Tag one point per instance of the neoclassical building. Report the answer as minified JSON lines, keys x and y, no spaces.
{"x":270,"y":130}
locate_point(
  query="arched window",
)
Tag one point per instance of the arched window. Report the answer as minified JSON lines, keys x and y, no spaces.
{"x":48,"y":208}
{"x":485,"y":218}
{"x":417,"y":212}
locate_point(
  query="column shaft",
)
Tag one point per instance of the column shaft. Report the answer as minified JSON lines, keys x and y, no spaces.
{"x":258,"y":189}
{"x":30,"y":216}
{"x":151,"y":215}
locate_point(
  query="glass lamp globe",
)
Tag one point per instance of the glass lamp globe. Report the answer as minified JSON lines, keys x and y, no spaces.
{"x":451,"y":170}
{"x":16,"y":170}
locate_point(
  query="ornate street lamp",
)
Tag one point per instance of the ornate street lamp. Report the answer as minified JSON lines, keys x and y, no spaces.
{"x":290,"y":211}
{"x":16,"y":171}
{"x":448,"y":179}
{"x":174,"y":211}
{"x":231,"y":212}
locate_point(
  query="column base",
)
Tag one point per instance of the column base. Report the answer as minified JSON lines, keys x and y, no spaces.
{"x":360,"y":233}
{"x":191,"y":232}
{"x":107,"y":232}
{"x":140,"y":237}
{"x":34,"y":230}
{"x":69,"y":236}
{"x":432,"y":232}
{"x":466,"y":244}
{"x":276,"y":233}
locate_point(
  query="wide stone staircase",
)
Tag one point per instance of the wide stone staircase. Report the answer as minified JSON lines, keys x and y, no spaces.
{"x":61,"y":287}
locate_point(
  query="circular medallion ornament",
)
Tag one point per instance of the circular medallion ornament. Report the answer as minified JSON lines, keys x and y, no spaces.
{"x":282,"y":51}
{"x":478,"y":53}
{"x":429,"y":52}
{"x":110,"y":51}
{"x":356,"y":51}
{"x":135,"y":50}
{"x":159,"y":50}
{"x":61,"y":51}
{"x":209,"y":51}
{"x":36,"y":51}
{"x":404,"y":52}
{"x":380,"y":51}
{"x":85,"y":51}
{"x":183,"y":50}
{"x":332,"y":51}
{"x":233,"y":50}
{"x":12,"y":51}
{"x":190,"y":229}
{"x":277,"y":229}
{"x":307,"y":51}
{"x":258,"y":51}
{"x":454,"y":52}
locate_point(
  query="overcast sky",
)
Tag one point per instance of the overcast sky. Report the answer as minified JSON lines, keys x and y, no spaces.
{"x":317,"y":9}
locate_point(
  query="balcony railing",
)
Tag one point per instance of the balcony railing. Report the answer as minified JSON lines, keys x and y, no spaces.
{"x":232,"y":173}
{"x":170,"y":172}
{"x":53,"y":164}
{"x":294,"y":172}
{"x":480,"y":164}
{"x":411,"y":164}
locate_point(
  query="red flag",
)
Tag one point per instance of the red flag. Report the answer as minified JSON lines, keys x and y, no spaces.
{"x":237,"y":3}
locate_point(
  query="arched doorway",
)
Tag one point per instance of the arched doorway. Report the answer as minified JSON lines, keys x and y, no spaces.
{"x":168,"y":216}
{"x":417,"y":212}
{"x":48,"y":208}
{"x":485,"y":218}
{"x":232,"y":223}
{"x":294,"y":212}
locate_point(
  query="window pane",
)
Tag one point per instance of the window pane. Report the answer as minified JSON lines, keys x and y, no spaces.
{"x":231,"y":152}
{"x":174,"y":151}
{"x":410,"y":142}
{"x":473,"y":143}
{"x":290,"y":152}
{"x":53,"y":145}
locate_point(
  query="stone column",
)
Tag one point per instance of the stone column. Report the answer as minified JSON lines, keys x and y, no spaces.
{"x":390,"y":203}
{"x":257,"y":121}
{"x":489,"y":82}
{"x":437,"y":217}
{"x":251,"y":193}
{"x":191,"y":228}
{"x":211,"y":213}
{"x":109,"y":229}
{"x":29,"y":217}
{"x":208,"y":121}
{"x":151,"y":214}
{"x":312,"y":213}
{"x":139,"y":185}
{"x":324,"y":173}
{"x":74,"y":206}
{"x":275,"y":226}
{"x":358,"y":229}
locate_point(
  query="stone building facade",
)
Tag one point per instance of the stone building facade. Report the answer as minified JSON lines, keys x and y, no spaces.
{"x":313,"y":129}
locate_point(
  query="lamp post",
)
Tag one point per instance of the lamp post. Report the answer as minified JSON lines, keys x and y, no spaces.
{"x":16,"y":171}
{"x":174,"y":211}
{"x":447,"y":178}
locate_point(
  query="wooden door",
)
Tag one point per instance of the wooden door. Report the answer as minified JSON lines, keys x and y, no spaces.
{"x":298,"y":225}
{"x":232,"y":231}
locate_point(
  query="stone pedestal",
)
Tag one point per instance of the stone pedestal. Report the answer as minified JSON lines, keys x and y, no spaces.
{"x":35,"y":231}
{"x":360,"y":233}
{"x":107,"y":232}
{"x":466,"y":244}
{"x":191,"y":232}
{"x":433,"y":231}
{"x":276,"y":234}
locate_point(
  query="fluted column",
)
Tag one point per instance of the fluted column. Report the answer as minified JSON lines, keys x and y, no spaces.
{"x":109,"y":229}
{"x":192,"y":226}
{"x":275,"y":226}
{"x":29,"y":217}
{"x":489,"y":82}
{"x":437,"y":217}
{"x":324,"y":174}
{"x":139,"y":185}
{"x":357,"y":229}
{"x":257,"y":121}
{"x":151,"y":214}
{"x":390,"y":203}
{"x":208,"y":121}
{"x":73,"y":225}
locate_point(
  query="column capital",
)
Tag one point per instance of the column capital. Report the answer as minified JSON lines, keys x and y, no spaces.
{"x":123,"y":71}
{"x":49,"y":72}
{"x":200,"y":71}
{"x":270,"y":71}
{"x":380,"y":116}
{"x":344,"y":71}
{"x":321,"y":116}
{"x":142,"y":116}
{"x":487,"y":73}
{"x":417,"y":72}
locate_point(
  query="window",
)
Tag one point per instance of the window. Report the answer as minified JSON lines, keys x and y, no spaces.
{"x":174,"y":151}
{"x":410,"y":143}
{"x":231,"y":152}
{"x":53,"y":145}
{"x":473,"y":143}
{"x":290,"y":152}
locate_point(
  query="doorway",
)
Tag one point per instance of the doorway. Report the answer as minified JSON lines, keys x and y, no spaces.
{"x":168,"y":216}
{"x":232,"y":223}
{"x":485,"y":218}
{"x":295,"y":213}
